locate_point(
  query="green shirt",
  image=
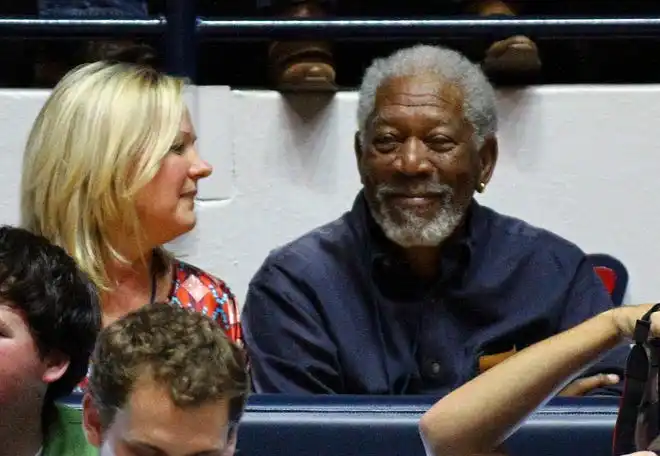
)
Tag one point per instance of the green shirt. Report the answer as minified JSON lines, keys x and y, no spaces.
{"x":66,"y":437}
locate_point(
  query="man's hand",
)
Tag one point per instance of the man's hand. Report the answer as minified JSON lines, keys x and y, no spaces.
{"x":642,"y":453}
{"x":582,"y":386}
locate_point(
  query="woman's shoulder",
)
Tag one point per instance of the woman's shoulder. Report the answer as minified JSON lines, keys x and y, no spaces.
{"x":203,"y":292}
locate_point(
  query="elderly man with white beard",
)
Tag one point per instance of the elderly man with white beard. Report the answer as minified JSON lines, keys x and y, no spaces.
{"x":418,"y":288}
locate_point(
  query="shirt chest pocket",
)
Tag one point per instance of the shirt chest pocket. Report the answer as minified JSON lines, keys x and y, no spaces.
{"x":491,"y":358}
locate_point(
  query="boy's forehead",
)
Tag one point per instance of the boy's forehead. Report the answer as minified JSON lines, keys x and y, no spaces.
{"x":11,"y":310}
{"x":151,"y":419}
{"x":13,"y":316}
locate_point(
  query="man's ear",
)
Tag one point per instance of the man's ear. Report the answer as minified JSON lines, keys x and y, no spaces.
{"x":91,"y":421}
{"x":359,"y":151}
{"x":487,"y":159}
{"x":357,"y":146}
{"x":56,"y":364}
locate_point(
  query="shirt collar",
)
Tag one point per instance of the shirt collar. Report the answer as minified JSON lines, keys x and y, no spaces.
{"x":458,"y":249}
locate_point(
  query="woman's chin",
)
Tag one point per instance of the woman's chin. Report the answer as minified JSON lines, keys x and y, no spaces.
{"x":186,"y":224}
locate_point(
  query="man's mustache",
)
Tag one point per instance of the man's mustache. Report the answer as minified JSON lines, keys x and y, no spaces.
{"x":419,"y":189}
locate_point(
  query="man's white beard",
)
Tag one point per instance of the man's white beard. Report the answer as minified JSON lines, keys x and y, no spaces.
{"x":413,"y":230}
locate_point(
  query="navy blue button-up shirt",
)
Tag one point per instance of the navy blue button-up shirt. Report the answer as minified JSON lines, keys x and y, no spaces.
{"x":337,"y":311}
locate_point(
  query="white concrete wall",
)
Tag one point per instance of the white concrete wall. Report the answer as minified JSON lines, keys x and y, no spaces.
{"x":579,"y":160}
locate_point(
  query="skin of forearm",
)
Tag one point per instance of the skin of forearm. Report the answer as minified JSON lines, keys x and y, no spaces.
{"x":480,"y":415}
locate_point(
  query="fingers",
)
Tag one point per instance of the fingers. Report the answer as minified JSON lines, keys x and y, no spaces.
{"x":641,"y":453}
{"x":638,"y":313}
{"x":625,"y":319}
{"x":582,"y":386}
{"x":655,"y":324}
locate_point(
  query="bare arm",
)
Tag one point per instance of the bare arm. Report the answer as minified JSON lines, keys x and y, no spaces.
{"x":477,"y":417}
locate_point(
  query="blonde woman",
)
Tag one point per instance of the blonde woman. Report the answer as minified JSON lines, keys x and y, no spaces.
{"x":110,"y":174}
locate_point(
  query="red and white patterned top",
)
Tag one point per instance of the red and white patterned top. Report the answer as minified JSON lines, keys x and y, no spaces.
{"x":197,"y":290}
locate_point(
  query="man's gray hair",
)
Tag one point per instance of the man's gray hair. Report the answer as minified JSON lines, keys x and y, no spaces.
{"x":479,"y":96}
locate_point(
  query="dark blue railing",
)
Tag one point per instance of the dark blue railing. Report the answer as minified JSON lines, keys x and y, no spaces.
{"x":182,"y":30}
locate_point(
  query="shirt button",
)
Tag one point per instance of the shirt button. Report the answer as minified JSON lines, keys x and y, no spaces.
{"x":433,"y":370}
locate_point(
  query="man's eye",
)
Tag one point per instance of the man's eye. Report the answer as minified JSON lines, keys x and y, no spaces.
{"x":440,"y":143}
{"x":384,"y":139}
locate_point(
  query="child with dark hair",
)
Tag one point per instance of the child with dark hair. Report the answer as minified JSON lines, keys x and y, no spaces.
{"x":49,"y":321}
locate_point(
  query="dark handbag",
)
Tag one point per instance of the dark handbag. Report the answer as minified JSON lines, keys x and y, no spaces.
{"x":638,"y":422}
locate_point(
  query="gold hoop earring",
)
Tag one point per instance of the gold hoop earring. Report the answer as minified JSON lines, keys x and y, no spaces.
{"x":481,"y":187}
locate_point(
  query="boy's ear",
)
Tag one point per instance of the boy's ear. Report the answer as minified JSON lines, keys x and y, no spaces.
{"x":56,"y":365}
{"x":91,"y":421}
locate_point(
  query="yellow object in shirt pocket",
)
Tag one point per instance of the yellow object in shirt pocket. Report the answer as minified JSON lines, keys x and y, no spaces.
{"x":488,"y":361}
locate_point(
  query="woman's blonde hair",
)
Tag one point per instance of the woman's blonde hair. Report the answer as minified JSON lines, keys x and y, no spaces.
{"x":96,"y":142}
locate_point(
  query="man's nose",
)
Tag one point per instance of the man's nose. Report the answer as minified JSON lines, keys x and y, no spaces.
{"x":413,"y":158}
